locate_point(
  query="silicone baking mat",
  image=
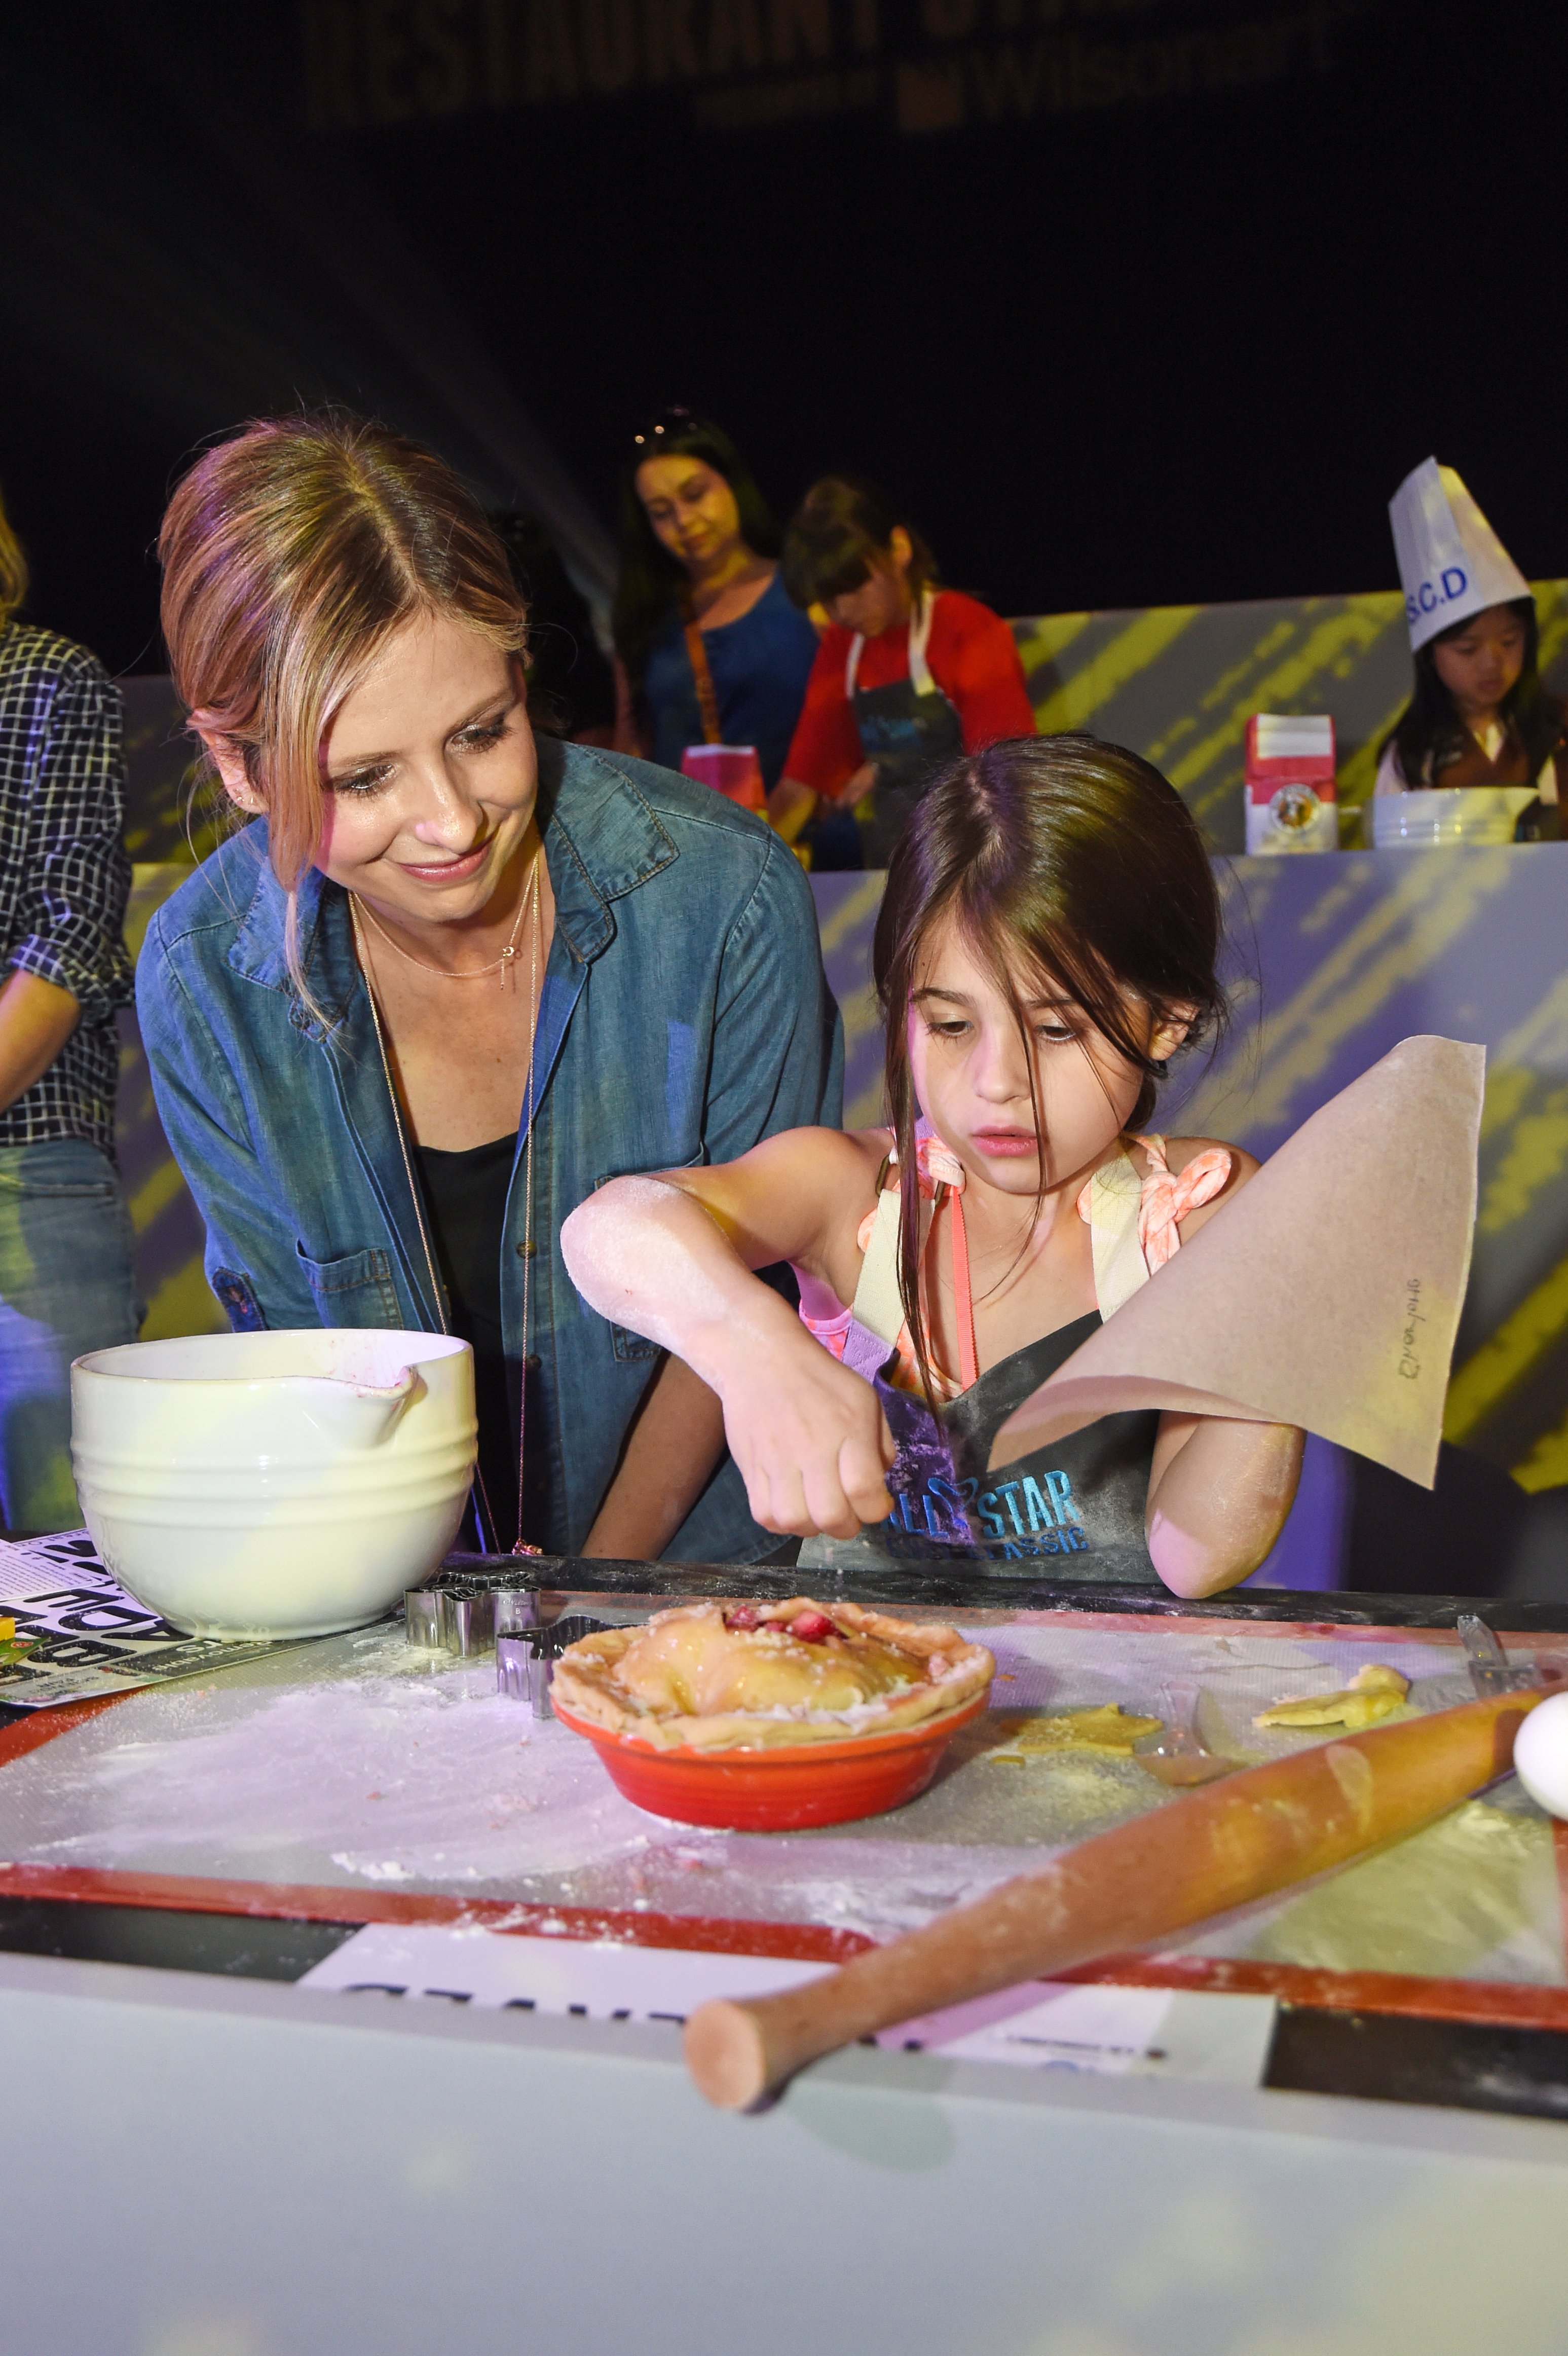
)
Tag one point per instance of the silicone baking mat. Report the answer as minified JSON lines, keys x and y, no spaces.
{"x":358,"y":1780}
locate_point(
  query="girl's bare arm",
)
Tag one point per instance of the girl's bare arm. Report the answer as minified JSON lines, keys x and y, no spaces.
{"x":672,"y":1258}
{"x":1217,"y":1495}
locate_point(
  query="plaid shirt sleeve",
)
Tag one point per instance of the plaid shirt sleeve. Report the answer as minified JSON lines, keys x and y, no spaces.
{"x":71,"y":908}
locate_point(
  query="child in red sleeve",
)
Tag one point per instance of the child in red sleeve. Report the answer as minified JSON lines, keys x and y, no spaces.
{"x":909,"y":677}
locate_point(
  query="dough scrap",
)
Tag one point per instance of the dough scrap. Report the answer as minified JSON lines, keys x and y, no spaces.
{"x":1372,"y":1693}
{"x":1108,"y":1728}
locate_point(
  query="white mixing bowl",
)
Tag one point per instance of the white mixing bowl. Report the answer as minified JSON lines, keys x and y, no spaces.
{"x":273,"y":1485}
{"x":1447,"y":814}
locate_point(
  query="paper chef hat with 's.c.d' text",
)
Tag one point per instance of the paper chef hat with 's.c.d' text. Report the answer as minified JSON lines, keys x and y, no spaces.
{"x":1451,"y":562}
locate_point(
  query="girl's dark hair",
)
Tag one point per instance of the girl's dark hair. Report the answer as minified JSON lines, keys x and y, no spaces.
{"x":1429,"y":729}
{"x":1069,"y":857}
{"x":840,"y":528}
{"x":651,"y":589}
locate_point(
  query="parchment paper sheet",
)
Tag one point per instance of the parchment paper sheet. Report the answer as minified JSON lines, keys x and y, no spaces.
{"x":1327,"y":1293}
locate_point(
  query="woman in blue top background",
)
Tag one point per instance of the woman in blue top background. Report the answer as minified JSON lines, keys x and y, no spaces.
{"x":700,"y":547}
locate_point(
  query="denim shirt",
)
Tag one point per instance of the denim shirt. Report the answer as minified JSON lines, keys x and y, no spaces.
{"x":684,"y":1017}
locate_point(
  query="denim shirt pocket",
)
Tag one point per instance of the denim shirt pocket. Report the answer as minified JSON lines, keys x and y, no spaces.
{"x":357,"y":1289}
{"x":629,"y":1347}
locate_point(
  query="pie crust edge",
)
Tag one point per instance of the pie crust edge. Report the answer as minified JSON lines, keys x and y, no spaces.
{"x":967,"y":1672}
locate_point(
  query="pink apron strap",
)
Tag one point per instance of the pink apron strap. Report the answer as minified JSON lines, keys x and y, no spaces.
{"x":1168,"y":1198}
{"x":963,"y":1295}
{"x":938,"y":1167}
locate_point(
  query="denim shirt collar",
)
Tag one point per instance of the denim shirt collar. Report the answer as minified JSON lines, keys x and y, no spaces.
{"x":601,"y":838}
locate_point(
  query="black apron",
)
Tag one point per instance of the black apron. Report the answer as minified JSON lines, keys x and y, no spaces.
{"x":1073,"y":1509}
{"x":908,"y":731}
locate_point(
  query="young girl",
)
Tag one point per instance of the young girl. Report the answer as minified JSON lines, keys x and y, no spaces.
{"x":1046,"y":945}
{"x":910,"y":675}
{"x":1479,"y":714}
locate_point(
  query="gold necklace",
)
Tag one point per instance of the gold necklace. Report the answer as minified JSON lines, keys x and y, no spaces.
{"x":437,"y":1293}
{"x":470,"y":973}
{"x":520,"y":1545}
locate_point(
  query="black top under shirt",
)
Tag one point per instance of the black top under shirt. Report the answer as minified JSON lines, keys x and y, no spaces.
{"x":465,"y":1197}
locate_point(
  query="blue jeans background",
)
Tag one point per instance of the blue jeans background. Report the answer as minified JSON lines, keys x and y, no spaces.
{"x":66,"y":1286}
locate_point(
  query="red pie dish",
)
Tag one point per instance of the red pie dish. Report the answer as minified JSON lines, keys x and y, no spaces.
{"x":770,"y":1718}
{"x":780,"y":1790}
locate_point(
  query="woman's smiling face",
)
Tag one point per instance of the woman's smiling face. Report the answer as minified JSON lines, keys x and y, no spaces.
{"x":692,"y":509}
{"x":429,"y":775}
{"x":971,"y":1070}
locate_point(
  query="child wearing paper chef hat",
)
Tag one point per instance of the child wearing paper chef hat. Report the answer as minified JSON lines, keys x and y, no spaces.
{"x":1478,"y":716}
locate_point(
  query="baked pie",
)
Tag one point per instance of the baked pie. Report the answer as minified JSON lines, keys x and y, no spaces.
{"x":739,"y":1676}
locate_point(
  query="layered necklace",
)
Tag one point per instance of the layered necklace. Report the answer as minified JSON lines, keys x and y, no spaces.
{"x":528,"y":905}
{"x":500,"y":965}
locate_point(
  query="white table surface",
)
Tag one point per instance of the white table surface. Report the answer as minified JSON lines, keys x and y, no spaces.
{"x":195,"y":2167}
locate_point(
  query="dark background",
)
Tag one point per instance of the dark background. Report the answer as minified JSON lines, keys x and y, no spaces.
{"x":1145,"y":353}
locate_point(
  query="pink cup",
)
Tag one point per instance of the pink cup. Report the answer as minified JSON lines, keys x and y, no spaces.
{"x":733,"y":770}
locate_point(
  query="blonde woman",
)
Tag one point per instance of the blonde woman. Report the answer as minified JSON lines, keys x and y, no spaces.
{"x":66,"y":1284}
{"x":449,"y":979}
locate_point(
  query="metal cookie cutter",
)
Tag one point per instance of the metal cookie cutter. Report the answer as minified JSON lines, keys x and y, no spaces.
{"x":526,"y":1658}
{"x":1491,"y":1671}
{"x":523,"y":1672}
{"x":422,"y":1616}
{"x":468,"y":1623}
{"x":440,"y":1620}
{"x":516,"y":1607}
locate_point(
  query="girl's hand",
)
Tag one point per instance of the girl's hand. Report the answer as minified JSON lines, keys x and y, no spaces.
{"x":811,"y":1441}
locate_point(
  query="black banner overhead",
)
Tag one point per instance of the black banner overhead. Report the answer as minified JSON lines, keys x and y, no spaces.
{"x":1135,"y":303}
{"x":742,"y":64}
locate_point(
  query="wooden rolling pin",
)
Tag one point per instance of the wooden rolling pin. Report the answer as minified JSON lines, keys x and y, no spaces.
{"x":1200,"y":1856}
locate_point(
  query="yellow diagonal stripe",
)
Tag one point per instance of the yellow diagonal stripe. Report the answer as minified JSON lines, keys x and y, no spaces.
{"x":1359,"y":774}
{"x":1508,"y":1356}
{"x":1546,"y":1466}
{"x":155,"y":1193}
{"x":861,"y":1015}
{"x":1536,"y":1159}
{"x":1402,"y":937}
{"x":1541,"y":1038}
{"x":852,"y":912}
{"x":1096,"y":681}
{"x":182,"y":1304}
{"x":1505,"y":1097}
{"x":1358,"y":625}
{"x":1049,"y":637}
